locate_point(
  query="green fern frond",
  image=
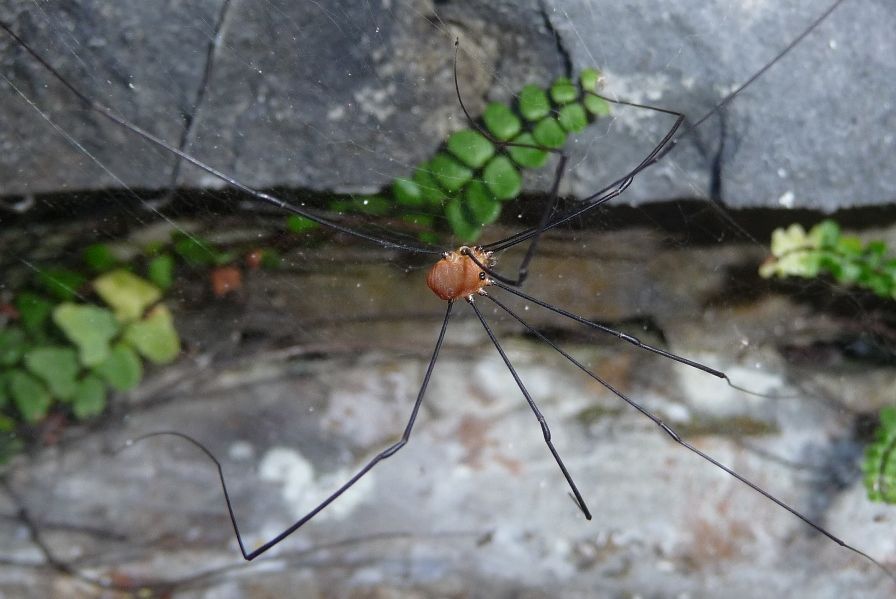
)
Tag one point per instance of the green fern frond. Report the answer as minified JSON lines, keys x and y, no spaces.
{"x":880,"y":460}
{"x":824,"y":250}
{"x":479,"y":168}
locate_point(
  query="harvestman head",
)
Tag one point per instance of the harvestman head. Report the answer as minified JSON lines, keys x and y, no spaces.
{"x":465,"y":274}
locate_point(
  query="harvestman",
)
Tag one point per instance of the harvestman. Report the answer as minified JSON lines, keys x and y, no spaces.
{"x":465,"y":274}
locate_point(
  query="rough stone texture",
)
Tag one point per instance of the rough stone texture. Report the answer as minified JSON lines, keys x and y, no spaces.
{"x":308,"y":371}
{"x":116,"y":53}
{"x":344,"y":95}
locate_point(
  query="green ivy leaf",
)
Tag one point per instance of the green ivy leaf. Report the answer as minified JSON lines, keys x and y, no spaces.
{"x":154,"y":337}
{"x":88,"y":327}
{"x":198,"y":252}
{"x":126,"y":293}
{"x":596,"y":105}
{"x":408,"y":193}
{"x":7,"y":425}
{"x":429,"y":189}
{"x":825,"y":250}
{"x":423,"y":221}
{"x":849,"y":245}
{"x":57,"y":366}
{"x":160,"y":271}
{"x":850,"y":272}
{"x":471,"y":147}
{"x":90,"y":398}
{"x":549,"y":134}
{"x":375,"y":205}
{"x":61,"y":282}
{"x":563,"y":91}
{"x":790,"y":239}
{"x":34,"y":310}
{"x":271,"y":259}
{"x":589,"y":79}
{"x":501,"y":122}
{"x":481,"y":203}
{"x":533,"y":103}
{"x":463,"y":229}
{"x":99,"y":257}
{"x":879,"y":284}
{"x":502,"y":178}
{"x":879,"y":465}
{"x":451,"y":174}
{"x":30,"y":396}
{"x":572,"y":117}
{"x":825,"y":234}
{"x":299,"y":224}
{"x":430,"y":238}
{"x":802,"y":263}
{"x":122,"y":370}
{"x":527,"y":157}
{"x":876,"y":248}
{"x":12,"y":345}
{"x":4,"y":388}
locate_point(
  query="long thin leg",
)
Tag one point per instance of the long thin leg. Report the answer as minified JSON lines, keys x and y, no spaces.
{"x":553,"y":198}
{"x":678,"y":439}
{"x":636,"y":342}
{"x":258,"y":195}
{"x":605,"y":194}
{"x":577,"y":496}
{"x":386,"y":453}
{"x":523,"y":268}
{"x":611,"y":191}
{"x":664,"y":147}
{"x":545,"y":221}
{"x":619,"y":334}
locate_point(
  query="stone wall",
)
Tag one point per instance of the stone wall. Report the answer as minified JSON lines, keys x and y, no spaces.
{"x":344,"y":95}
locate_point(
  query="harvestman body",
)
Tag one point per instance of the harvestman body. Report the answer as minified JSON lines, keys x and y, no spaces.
{"x":458,"y":276}
{"x":465,"y":273}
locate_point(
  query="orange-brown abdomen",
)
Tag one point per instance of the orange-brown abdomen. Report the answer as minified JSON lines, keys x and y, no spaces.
{"x":456,"y":275}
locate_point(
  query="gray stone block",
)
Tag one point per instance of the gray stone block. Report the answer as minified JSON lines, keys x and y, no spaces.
{"x":345,"y":96}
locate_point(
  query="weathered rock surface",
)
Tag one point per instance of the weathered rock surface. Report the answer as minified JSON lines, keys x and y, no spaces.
{"x":298,"y":379}
{"x":345,"y":95}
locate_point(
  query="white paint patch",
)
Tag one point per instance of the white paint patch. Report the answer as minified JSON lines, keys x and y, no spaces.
{"x":675,"y":412}
{"x":786,"y":200}
{"x":302,"y":490}
{"x":377,"y":102}
{"x":241,"y":450}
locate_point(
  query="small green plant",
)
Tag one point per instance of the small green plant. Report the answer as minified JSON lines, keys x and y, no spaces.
{"x":824,"y":250}
{"x":470,"y":176}
{"x":880,"y":460}
{"x":75,"y":336}
{"x":69,"y":352}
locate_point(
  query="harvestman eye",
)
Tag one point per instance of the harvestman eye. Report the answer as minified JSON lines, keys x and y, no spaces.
{"x":464,"y":273}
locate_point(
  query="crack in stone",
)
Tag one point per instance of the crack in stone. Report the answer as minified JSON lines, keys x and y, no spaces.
{"x":191,"y":118}
{"x":558,"y":40}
